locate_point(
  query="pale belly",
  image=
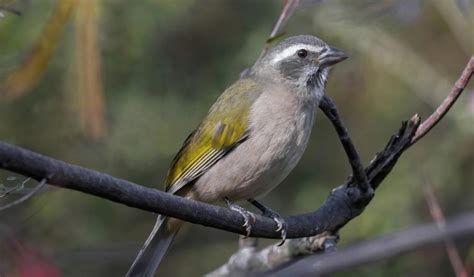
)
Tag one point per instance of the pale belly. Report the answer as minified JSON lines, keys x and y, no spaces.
{"x":260,"y":163}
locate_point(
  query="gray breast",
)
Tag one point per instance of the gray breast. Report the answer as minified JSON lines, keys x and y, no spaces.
{"x":280,"y":126}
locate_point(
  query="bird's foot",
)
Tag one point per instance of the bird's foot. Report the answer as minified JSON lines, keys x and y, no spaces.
{"x":280,"y":222}
{"x":249,"y":218}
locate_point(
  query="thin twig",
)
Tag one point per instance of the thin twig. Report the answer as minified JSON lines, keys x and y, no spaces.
{"x":289,"y":8}
{"x":379,"y":249}
{"x":8,"y":191}
{"x":448,"y":102}
{"x":25,"y":197}
{"x":330,"y":110}
{"x":12,"y":189}
{"x":438,"y":216}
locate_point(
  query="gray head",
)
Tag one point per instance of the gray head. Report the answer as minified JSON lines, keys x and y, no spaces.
{"x":303,"y":60}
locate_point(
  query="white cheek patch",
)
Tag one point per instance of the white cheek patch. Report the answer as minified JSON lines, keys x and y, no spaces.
{"x":290,"y":51}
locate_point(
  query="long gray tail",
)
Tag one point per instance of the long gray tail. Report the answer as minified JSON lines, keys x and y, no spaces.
{"x":153,"y":250}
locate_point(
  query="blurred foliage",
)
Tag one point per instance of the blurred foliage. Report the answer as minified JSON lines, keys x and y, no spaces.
{"x":117,"y":85}
{"x":25,"y":77}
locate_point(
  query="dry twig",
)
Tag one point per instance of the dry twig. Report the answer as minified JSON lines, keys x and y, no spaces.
{"x":438,"y":216}
{"x":448,"y":102}
{"x":379,"y":249}
{"x":25,"y":197}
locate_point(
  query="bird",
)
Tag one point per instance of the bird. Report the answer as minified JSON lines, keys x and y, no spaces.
{"x":250,"y":140}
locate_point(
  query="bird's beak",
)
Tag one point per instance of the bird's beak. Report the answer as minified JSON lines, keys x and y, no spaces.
{"x":331,"y":57}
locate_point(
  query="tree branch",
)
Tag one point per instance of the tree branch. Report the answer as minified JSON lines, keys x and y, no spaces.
{"x":341,"y":206}
{"x":248,"y":259}
{"x":330,"y":110}
{"x":381,"y":248}
{"x":438,"y":216}
{"x":377,"y":170}
{"x":448,"y":102}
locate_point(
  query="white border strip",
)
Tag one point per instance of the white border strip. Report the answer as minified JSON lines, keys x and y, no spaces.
{"x":290,"y":51}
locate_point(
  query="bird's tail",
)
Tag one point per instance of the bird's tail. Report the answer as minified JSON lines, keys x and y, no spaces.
{"x":155,"y":248}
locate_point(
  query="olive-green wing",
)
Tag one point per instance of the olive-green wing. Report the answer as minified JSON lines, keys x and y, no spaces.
{"x":223,"y":129}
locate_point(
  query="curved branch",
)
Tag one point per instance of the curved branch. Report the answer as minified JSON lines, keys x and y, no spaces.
{"x":24,"y":197}
{"x":341,"y":206}
{"x":381,"y":248}
{"x":448,"y":102}
{"x":249,"y":259}
{"x":330,"y":110}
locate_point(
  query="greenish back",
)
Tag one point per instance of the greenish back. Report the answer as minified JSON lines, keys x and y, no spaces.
{"x":225,"y":126}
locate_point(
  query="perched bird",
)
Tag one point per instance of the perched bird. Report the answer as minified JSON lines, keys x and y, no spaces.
{"x":250,"y":140}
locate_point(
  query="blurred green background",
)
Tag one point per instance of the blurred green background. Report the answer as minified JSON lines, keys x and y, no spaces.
{"x":117,"y":85}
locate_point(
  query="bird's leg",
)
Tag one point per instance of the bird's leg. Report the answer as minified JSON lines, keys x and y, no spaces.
{"x":248,"y":216}
{"x":280,"y":222}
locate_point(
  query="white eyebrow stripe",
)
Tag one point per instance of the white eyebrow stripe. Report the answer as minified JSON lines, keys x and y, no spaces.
{"x":290,"y":51}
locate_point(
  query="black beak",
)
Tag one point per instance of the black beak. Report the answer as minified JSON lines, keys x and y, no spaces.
{"x":331,"y":57}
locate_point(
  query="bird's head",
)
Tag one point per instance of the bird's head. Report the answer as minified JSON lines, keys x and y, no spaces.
{"x":301,"y":60}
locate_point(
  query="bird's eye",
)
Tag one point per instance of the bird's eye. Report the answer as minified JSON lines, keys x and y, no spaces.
{"x":302,"y":53}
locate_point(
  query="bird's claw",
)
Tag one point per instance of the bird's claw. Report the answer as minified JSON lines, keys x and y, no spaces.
{"x":249,"y":218}
{"x":267,"y":212}
{"x":281,"y":227}
{"x":279,"y":221}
